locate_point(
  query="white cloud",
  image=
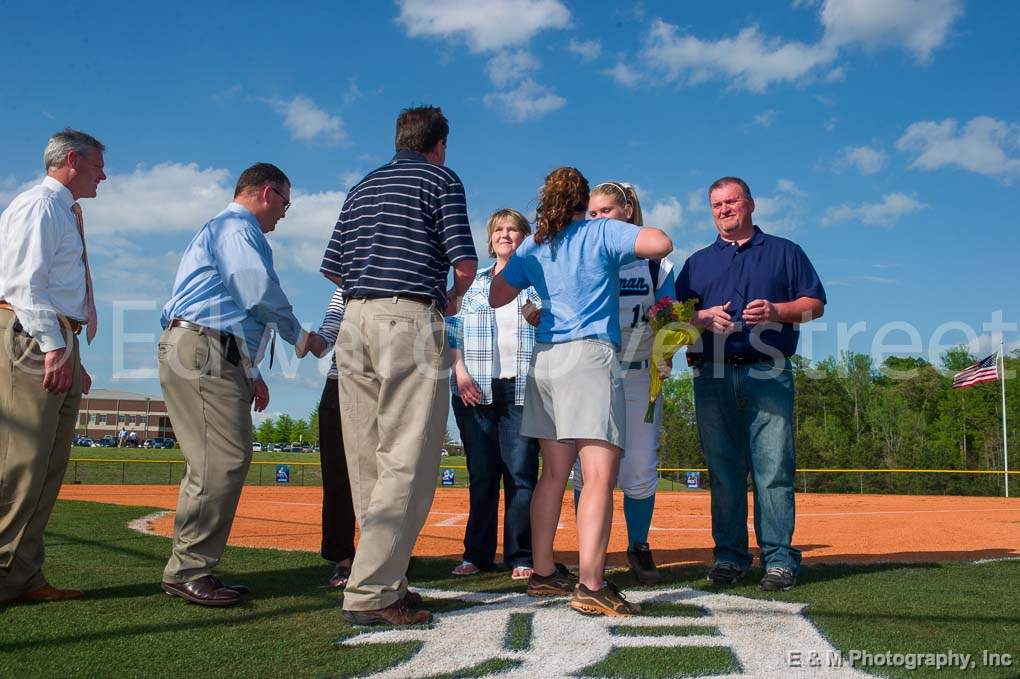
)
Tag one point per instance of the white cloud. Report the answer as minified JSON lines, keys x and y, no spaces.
{"x":667,"y":214}
{"x":836,"y":75}
{"x":163,"y":198}
{"x":920,"y":26}
{"x":750,"y":60}
{"x":349,"y":179}
{"x":624,"y":74}
{"x":508,"y":68}
{"x":132,"y":271}
{"x":307,"y":122}
{"x":766,"y":118}
{"x":988,"y":343}
{"x":984,"y":145}
{"x":227,"y":95}
{"x":867,"y":159}
{"x":519,"y":98}
{"x":788,"y":187}
{"x":697,"y":201}
{"x":780,"y":213}
{"x":527,"y":101}
{"x":257,"y":418}
{"x":588,"y":50}
{"x":885,"y":213}
{"x":353,"y":92}
{"x":485,"y":26}
{"x":177,"y":198}
{"x":753,"y":61}
{"x":493,"y":27}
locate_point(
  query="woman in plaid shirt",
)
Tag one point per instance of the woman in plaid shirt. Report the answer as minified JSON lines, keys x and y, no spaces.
{"x":491,"y":351}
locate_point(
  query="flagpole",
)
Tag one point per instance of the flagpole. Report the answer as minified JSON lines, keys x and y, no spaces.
{"x":1005,"y":442}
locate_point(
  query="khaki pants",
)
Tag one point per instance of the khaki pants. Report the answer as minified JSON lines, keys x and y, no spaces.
{"x":209,"y":403}
{"x":394,"y":367}
{"x":35,"y":444}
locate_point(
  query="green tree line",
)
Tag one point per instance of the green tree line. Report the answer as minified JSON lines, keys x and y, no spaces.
{"x":285,"y":429}
{"x":903,"y":414}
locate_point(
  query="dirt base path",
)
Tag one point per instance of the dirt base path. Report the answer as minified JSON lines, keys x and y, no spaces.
{"x":830,"y":528}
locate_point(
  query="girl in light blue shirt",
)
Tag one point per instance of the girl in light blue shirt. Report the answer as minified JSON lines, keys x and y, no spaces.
{"x":574,"y":402}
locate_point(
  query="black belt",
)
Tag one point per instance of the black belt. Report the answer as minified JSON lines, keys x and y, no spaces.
{"x":697,"y":361}
{"x":230,"y":344}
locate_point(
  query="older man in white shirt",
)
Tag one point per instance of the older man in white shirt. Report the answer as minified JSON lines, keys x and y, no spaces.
{"x":45,"y":301}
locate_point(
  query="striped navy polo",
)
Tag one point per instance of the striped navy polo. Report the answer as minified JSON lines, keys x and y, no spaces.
{"x":400,"y":229}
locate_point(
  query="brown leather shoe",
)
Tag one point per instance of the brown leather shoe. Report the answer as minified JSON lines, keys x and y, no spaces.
{"x":412,"y":599}
{"x":48,"y":593}
{"x":243,"y":590}
{"x":396,"y":614}
{"x":205,"y":591}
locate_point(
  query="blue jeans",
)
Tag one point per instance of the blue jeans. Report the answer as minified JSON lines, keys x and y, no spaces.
{"x":495,"y":450}
{"x":745,"y":415}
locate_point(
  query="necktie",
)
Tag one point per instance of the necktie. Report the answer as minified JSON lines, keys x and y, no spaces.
{"x":90,"y":301}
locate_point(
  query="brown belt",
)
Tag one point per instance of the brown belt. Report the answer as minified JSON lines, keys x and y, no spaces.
{"x":68,"y":323}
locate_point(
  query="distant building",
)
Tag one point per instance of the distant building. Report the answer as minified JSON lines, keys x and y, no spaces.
{"x":105,"y":412}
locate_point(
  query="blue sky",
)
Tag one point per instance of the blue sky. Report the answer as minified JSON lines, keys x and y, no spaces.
{"x":881,"y":135}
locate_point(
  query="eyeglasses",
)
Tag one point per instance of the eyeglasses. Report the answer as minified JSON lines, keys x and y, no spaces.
{"x":286,"y":203}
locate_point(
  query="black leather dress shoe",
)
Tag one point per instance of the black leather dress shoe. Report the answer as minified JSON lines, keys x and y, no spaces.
{"x":205,"y":591}
{"x":243,"y":590}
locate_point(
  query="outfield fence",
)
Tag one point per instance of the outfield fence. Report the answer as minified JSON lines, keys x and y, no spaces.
{"x":896,"y":481}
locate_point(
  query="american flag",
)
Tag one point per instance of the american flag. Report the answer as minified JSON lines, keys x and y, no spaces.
{"x":985,"y":370}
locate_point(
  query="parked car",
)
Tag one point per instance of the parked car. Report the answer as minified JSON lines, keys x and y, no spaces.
{"x":107,"y":442}
{"x":83,"y":442}
{"x":256,"y":447}
{"x":159,"y":442}
{"x":294,"y":447}
{"x":275,"y":448}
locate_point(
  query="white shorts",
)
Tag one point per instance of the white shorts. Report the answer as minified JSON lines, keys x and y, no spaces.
{"x":575,"y":392}
{"x":639,"y":476}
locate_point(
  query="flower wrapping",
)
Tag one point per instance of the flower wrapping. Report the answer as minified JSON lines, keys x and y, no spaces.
{"x":671,"y":324}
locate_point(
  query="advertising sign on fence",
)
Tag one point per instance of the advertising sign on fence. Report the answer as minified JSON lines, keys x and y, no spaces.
{"x":283,"y":473}
{"x":449,"y":476}
{"x":694,"y":480}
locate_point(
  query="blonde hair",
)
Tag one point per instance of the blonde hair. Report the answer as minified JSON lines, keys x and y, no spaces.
{"x":624,"y":194}
{"x":564,"y":193}
{"x":507,"y":214}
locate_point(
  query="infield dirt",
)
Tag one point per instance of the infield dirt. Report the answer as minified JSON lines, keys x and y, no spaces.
{"x":830,"y":528}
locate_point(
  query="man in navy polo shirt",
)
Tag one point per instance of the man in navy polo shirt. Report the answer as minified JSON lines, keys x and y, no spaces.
{"x":401,"y":229}
{"x":753,"y":290}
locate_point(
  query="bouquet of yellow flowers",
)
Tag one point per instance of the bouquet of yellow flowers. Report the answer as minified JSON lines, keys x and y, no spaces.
{"x":671,"y":325}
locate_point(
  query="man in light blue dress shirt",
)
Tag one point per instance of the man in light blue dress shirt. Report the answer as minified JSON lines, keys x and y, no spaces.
{"x":226,"y":302}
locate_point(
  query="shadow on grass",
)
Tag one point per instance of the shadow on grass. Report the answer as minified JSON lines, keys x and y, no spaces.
{"x":163,"y":627}
{"x":105,"y":544}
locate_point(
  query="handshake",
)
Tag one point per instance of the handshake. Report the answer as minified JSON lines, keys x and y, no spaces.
{"x":311,"y":343}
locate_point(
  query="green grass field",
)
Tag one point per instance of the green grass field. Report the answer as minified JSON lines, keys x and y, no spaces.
{"x":128,"y":628}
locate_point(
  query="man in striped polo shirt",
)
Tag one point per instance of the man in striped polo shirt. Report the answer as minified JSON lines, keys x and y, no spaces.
{"x":400,"y":230}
